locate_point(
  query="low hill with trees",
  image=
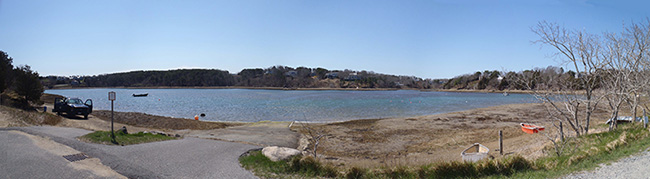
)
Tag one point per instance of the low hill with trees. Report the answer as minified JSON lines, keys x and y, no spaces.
{"x":303,"y":77}
{"x":276,"y":76}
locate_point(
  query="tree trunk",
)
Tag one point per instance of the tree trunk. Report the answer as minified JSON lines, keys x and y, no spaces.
{"x":636,"y":99}
{"x":561,"y":132}
{"x":614,"y":122}
{"x":588,"y":117}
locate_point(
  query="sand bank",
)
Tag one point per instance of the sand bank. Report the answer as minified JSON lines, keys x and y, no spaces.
{"x":434,"y":138}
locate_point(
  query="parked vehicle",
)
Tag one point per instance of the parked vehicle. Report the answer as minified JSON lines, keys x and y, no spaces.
{"x":73,"y":106}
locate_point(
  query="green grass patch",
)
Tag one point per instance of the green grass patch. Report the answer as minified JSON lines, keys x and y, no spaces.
{"x":104,"y":137}
{"x":295,"y":167}
{"x":304,"y":167}
{"x":587,"y":152}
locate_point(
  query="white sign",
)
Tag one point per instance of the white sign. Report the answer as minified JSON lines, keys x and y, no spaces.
{"x":111,"y":95}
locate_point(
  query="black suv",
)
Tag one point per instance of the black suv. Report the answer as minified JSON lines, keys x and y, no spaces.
{"x":73,"y":106}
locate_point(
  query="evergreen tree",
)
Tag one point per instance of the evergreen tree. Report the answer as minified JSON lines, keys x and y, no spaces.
{"x":27,"y":84}
{"x":5,"y":71}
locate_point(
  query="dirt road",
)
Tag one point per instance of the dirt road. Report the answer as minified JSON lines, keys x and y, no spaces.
{"x":632,"y":167}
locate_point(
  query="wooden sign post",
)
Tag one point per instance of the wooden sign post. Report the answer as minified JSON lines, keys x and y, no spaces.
{"x":500,"y":142}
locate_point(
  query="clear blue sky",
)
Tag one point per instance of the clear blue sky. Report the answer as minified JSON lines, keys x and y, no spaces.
{"x":428,"y":39}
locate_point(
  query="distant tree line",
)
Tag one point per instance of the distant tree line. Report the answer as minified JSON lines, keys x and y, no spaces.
{"x":276,"y":76}
{"x":303,"y":77}
{"x":18,"y":85}
{"x":535,"y":79}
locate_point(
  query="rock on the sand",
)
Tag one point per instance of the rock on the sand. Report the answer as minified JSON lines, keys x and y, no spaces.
{"x":123,"y":130}
{"x":276,"y":153}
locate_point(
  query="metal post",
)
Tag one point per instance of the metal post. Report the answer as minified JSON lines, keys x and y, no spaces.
{"x":112,"y":133}
{"x":111,"y":97}
{"x":501,"y":142}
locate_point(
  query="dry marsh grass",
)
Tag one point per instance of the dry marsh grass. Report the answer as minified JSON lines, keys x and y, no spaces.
{"x":160,"y":122}
{"x":12,"y":117}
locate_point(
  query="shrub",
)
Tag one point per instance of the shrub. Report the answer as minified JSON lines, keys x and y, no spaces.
{"x":398,"y":172}
{"x":355,"y":173}
{"x":455,"y":170}
{"x":306,"y":165}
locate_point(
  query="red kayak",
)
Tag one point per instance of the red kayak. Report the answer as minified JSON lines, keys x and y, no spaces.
{"x":531,"y":129}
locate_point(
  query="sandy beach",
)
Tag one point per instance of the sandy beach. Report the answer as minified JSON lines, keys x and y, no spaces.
{"x":368,"y":142}
{"x":435,"y":138}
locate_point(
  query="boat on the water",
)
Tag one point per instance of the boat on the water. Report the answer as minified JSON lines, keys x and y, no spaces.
{"x":530,"y":128}
{"x":475,"y":153}
{"x":141,"y":95}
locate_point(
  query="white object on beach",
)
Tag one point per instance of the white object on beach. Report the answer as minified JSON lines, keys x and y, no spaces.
{"x":276,"y":153}
{"x":624,"y":119}
{"x":475,"y":153}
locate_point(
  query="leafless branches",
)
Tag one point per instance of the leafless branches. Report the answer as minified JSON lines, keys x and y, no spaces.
{"x":314,"y":137}
{"x":612,"y":66}
{"x":626,"y":55}
{"x":579,"y":50}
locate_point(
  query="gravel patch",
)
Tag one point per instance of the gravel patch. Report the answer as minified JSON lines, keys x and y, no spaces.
{"x":637,"y":166}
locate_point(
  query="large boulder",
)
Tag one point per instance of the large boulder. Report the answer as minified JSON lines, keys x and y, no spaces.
{"x":276,"y":153}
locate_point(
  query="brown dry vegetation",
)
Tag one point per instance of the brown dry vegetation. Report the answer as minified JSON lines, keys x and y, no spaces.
{"x":435,"y":138}
{"x":49,"y":98}
{"x":12,"y":117}
{"x":160,"y":122}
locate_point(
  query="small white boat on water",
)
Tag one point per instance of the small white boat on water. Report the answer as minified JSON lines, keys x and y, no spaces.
{"x":475,"y":153}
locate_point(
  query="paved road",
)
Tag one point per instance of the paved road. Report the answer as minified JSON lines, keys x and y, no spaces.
{"x":21,"y":158}
{"x":185,"y":158}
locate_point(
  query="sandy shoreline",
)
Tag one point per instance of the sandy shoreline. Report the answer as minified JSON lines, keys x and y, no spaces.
{"x":369,"y":142}
{"x":374,"y":142}
{"x":440,"y":137}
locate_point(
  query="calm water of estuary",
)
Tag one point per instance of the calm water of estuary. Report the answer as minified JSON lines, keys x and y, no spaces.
{"x":251,"y":105}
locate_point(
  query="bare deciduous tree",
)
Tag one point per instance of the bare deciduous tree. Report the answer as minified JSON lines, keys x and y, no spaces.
{"x":614,"y":67}
{"x":579,"y":50}
{"x":625,"y":54}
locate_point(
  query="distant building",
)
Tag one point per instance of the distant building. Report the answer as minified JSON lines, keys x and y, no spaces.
{"x":332,"y":75}
{"x":74,"y":83}
{"x":352,"y":77}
